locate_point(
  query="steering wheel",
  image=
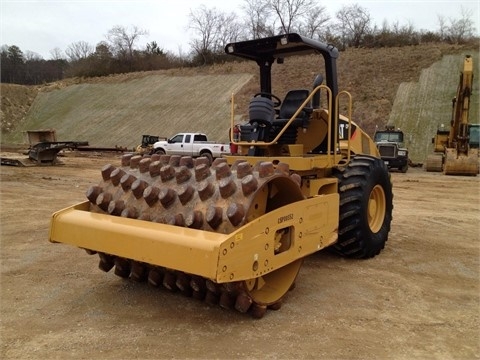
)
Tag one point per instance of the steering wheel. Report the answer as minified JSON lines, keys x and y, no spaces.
{"x":277,"y":101}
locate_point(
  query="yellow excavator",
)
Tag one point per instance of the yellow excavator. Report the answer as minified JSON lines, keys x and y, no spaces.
{"x":455,"y":152}
{"x":235,"y":232}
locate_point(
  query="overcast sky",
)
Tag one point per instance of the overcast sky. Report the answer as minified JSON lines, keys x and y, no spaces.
{"x":42,"y":25}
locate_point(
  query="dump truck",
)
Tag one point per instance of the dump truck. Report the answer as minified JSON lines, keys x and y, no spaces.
{"x":453,"y":152}
{"x":235,"y":232}
{"x":391,"y":145}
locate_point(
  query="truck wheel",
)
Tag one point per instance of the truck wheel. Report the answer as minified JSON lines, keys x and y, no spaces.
{"x":366,"y":204}
{"x":207,"y":155}
{"x":404,"y":168}
{"x":160,"y":152}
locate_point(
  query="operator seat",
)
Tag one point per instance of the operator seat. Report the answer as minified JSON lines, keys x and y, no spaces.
{"x":261,"y":113}
{"x":292,"y":102}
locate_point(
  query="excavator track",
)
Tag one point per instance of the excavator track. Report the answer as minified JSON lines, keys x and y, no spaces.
{"x":434,"y":163}
{"x":187,"y":192}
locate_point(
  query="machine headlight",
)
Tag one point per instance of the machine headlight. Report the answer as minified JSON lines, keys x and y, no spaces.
{"x":402,"y":152}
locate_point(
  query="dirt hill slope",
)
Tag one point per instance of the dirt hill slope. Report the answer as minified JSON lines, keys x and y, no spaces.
{"x":117,"y":110}
{"x":119,"y":113}
{"x":15,"y":104}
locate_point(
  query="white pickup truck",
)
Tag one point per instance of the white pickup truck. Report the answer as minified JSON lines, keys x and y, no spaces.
{"x":191,"y":144}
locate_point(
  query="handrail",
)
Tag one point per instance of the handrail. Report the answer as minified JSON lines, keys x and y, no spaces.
{"x":349,"y":120}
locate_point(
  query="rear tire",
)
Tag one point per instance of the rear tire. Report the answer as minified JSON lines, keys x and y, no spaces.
{"x":366,"y":204}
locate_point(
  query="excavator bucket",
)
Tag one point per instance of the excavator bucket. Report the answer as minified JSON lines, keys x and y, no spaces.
{"x":461,"y":164}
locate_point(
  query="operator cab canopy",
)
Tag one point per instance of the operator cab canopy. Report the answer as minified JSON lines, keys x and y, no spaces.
{"x":268,"y":50}
{"x":278,"y":47}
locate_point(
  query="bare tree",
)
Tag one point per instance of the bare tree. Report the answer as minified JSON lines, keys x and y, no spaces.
{"x":353,"y":24}
{"x":32,"y":56}
{"x":56,"y":54}
{"x":316,"y":21}
{"x":79,"y":50}
{"x":123,"y":40}
{"x":213,"y":30}
{"x":271,"y":17}
{"x":461,"y":30}
{"x":204,"y":23}
{"x":404,"y":34}
{"x":290,"y":13}
{"x":442,"y":26}
{"x":230,"y":30}
{"x":257,"y":16}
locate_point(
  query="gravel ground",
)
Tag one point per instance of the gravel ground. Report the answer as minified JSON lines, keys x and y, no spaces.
{"x":419,"y":299}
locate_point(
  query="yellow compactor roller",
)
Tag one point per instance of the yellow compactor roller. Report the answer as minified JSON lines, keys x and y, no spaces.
{"x":235,"y":232}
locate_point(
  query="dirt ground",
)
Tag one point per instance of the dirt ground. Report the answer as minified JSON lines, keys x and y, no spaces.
{"x":419,"y":299}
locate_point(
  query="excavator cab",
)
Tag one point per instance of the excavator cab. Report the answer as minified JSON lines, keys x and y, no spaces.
{"x":474,"y":135}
